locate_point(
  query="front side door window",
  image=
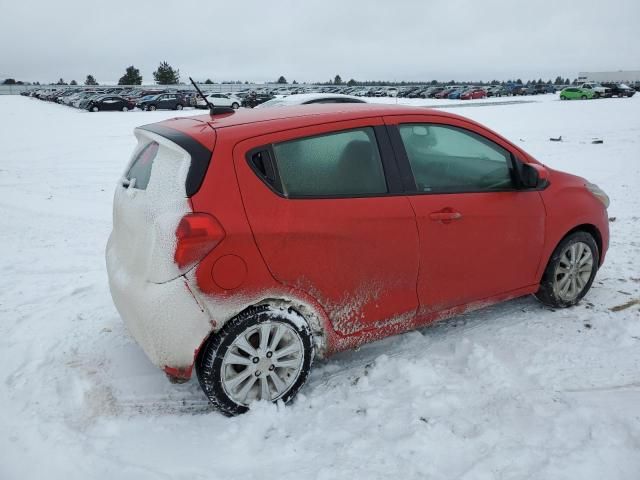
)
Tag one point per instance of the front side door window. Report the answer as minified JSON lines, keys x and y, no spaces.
{"x":447,"y":159}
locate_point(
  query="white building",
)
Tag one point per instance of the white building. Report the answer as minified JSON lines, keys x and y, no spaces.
{"x":621,"y":76}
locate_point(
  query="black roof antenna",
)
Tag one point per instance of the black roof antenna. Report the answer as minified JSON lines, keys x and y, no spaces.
{"x":213,"y":110}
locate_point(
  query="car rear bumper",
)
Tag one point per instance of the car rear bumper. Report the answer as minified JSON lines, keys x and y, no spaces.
{"x":165,"y":319}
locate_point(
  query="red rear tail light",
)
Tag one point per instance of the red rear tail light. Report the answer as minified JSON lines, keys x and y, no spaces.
{"x":197,"y":234}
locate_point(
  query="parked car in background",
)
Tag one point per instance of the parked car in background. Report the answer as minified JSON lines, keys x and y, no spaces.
{"x":217,"y":100}
{"x":110,"y":103}
{"x":311,"y":98}
{"x":473,"y":93}
{"x":576,"y":93}
{"x":254,"y":99}
{"x":165,"y":101}
{"x":243,"y":268}
{"x":456,"y":93}
{"x":598,"y":90}
{"x":619,"y":90}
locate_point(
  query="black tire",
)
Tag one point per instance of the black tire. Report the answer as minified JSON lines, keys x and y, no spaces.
{"x":562,"y":97}
{"x":235,"y":105}
{"x":151,"y":108}
{"x":547,"y":293}
{"x":93,"y":108}
{"x":583,"y":97}
{"x":210,"y":358}
{"x":179,"y":106}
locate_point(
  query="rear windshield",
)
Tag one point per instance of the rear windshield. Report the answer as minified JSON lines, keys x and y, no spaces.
{"x":141,"y":167}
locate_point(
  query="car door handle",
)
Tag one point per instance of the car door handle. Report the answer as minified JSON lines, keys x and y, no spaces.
{"x":445,"y":216}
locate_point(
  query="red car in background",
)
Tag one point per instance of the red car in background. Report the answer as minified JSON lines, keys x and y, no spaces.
{"x":246,"y":244}
{"x":473,"y":94}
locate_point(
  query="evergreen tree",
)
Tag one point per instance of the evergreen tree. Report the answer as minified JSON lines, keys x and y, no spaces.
{"x":519,"y":81}
{"x":61,"y":82}
{"x":208,"y":81}
{"x":90,"y":80}
{"x":294,"y":82}
{"x":9,"y":81}
{"x":73,"y":82}
{"x":131,"y":77}
{"x":337,"y":80}
{"x":351,"y":82}
{"x":558,"y":80}
{"x":282,"y":79}
{"x":166,"y":75}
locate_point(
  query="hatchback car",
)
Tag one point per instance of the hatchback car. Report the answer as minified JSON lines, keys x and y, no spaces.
{"x":473,"y":93}
{"x":110,"y":102}
{"x":167,"y":101}
{"x":576,"y":93}
{"x":245,"y":244}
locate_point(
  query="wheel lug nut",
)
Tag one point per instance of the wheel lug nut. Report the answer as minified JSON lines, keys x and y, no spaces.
{"x":271,"y":368}
{"x":269,"y":354}
{"x":255,"y":360}
{"x":258,"y":373}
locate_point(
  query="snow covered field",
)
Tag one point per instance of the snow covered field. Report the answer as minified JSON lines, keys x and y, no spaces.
{"x":515,"y":391}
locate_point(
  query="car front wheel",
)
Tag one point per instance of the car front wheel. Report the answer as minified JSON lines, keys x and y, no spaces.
{"x":263,"y":354}
{"x":179,"y":106}
{"x":570,"y":271}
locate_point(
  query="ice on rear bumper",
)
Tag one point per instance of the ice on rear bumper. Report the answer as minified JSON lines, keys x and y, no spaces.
{"x":164,"y":318}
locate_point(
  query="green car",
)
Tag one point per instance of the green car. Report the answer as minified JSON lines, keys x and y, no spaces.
{"x":573,"y":93}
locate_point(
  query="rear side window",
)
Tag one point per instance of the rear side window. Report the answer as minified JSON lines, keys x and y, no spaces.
{"x":141,"y":167}
{"x":344,"y":163}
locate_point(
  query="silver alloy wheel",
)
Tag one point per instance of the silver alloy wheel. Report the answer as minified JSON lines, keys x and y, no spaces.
{"x":125,"y":109}
{"x":262,"y":363}
{"x":573,"y":271}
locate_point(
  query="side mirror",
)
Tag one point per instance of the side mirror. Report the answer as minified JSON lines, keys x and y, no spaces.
{"x":533,"y":175}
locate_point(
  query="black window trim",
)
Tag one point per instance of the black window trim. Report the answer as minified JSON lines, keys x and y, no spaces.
{"x":409,"y":179}
{"x":385,"y":150}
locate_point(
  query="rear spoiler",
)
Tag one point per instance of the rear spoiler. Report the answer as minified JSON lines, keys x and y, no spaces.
{"x":200,"y":155}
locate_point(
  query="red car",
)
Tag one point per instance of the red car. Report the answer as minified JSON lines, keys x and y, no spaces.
{"x":247,"y":243}
{"x":473,"y":94}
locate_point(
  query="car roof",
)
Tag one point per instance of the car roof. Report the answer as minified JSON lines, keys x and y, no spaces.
{"x":267,"y":120}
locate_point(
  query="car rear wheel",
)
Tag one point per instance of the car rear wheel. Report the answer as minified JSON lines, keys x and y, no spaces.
{"x":263,"y":354}
{"x":125,"y":109}
{"x":235,"y":105}
{"x":94,"y":108}
{"x":570,"y":271}
{"x":583,"y":97}
{"x":562,"y":97}
{"x":179,"y":106}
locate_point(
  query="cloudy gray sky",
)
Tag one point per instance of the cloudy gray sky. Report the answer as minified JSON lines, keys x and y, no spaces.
{"x":309,"y":40}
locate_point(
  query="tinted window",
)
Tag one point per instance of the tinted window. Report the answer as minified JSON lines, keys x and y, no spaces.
{"x":343,"y":163}
{"x":141,"y":166}
{"x":450,"y":159}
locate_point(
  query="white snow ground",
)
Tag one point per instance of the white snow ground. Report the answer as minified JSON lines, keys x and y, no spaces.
{"x":515,"y":391}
